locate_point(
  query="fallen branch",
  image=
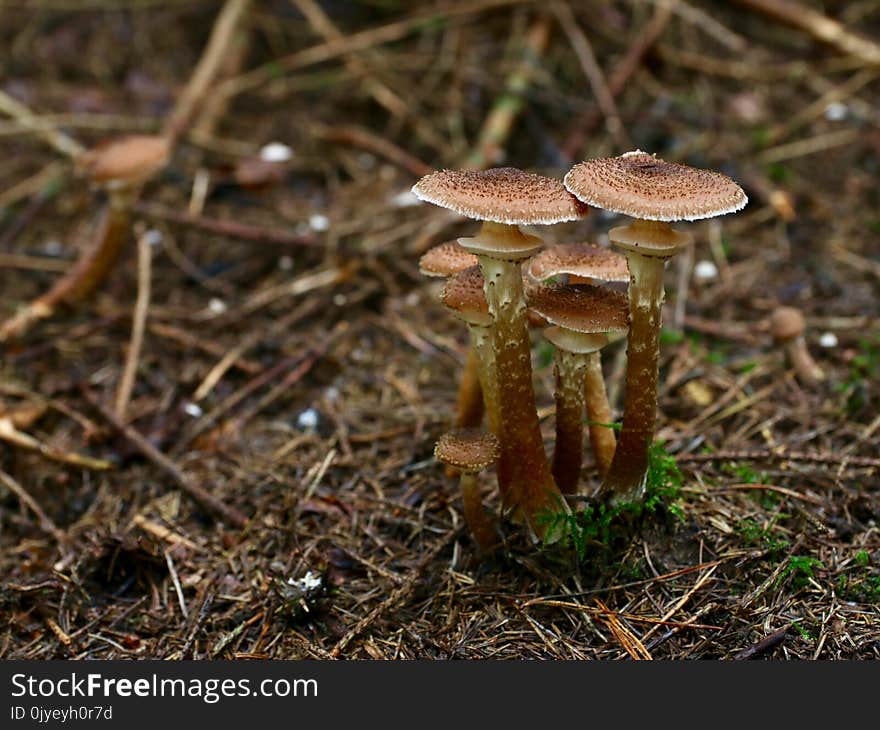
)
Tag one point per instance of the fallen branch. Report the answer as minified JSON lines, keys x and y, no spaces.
{"x":138,"y":323}
{"x":197,"y":492}
{"x":617,"y":80}
{"x":868,"y":462}
{"x":489,"y":147}
{"x":820,"y":26}
{"x":25,"y":498}
{"x":10,"y":434}
{"x":232,"y":229}
{"x":207,"y":69}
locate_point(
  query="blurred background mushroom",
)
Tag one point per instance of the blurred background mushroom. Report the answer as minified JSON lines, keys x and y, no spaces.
{"x":787,"y":326}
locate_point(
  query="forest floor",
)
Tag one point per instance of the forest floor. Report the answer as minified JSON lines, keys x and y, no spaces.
{"x":299,"y":368}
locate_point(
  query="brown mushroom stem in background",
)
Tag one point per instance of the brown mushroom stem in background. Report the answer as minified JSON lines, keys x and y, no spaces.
{"x":522,"y":447}
{"x":82,"y":279}
{"x":470,"y":394}
{"x":787,"y":326}
{"x":567,"y":453}
{"x":647,"y":245}
{"x":803,"y":362}
{"x":603,"y":439}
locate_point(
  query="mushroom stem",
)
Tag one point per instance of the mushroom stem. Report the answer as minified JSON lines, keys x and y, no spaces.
{"x":481,"y":346}
{"x":470,"y":395}
{"x":568,"y":450}
{"x":625,"y":480}
{"x":602,"y":437}
{"x":801,"y":360}
{"x":481,"y":525}
{"x":85,"y":276}
{"x":522,"y":446}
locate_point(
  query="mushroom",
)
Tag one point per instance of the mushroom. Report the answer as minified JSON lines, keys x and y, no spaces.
{"x":120,"y":166}
{"x":463,"y":294}
{"x":584,"y":263}
{"x":470,"y":451}
{"x":787,"y":328}
{"x":445,"y":260}
{"x":653,"y":192}
{"x":504,"y":199}
{"x":587,"y":317}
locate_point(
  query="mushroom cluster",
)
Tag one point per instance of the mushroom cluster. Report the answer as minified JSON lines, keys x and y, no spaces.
{"x":502,"y":278}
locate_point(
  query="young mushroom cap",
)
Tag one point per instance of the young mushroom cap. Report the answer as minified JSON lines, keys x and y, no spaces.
{"x":463,"y":293}
{"x":501,"y":195}
{"x":786,"y":323}
{"x":582,"y":308}
{"x":643,"y":186}
{"x":468,"y":450}
{"x":446,"y":259}
{"x":579,"y":259}
{"x":128,"y":160}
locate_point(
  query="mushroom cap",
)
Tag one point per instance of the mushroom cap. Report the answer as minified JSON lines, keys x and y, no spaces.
{"x":501,"y":195}
{"x":579,"y":259}
{"x":786,"y":323}
{"x":583,"y":308}
{"x":133,"y":158}
{"x":643,"y":186}
{"x":463,"y":293}
{"x":469,"y":450}
{"x":446,"y":259}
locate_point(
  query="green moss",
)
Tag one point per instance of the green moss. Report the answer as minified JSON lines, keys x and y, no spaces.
{"x":605,"y":524}
{"x":800,"y":569}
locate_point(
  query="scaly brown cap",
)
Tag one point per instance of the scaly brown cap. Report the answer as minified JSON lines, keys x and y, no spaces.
{"x":501,"y":195}
{"x":643,"y":186}
{"x":582,"y":308}
{"x":446,"y":259}
{"x":579,"y":259}
{"x":131,"y":159}
{"x":786,"y":323}
{"x":463,"y":294}
{"x":469,"y":450}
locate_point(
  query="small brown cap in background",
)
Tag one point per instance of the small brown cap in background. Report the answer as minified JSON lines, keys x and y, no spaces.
{"x":786,"y":323}
{"x":501,"y":195}
{"x":132,"y":159}
{"x":469,"y":450}
{"x":643,"y":186}
{"x":446,"y":259}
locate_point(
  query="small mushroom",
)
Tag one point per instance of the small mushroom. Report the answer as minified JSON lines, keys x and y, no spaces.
{"x":121,"y":167}
{"x":587,"y":317}
{"x":787,"y":327}
{"x":470,"y":451}
{"x":464,"y":296}
{"x":653,"y":192}
{"x":445,"y":260}
{"x":504,"y":199}
{"x":584,"y":263}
